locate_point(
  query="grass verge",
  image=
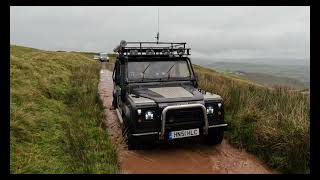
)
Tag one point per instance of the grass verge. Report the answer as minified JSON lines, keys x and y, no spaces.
{"x":273,"y":124}
{"x":56,"y":114}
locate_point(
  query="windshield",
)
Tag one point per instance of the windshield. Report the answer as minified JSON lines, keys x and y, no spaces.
{"x":158,"y":70}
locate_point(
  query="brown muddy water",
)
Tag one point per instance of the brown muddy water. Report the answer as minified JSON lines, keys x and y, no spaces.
{"x":182,"y":158}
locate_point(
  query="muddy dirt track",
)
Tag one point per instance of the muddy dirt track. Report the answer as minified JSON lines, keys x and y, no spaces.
{"x":190,"y":157}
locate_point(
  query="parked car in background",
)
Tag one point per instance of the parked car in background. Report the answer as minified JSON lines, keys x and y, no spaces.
{"x":103,"y":57}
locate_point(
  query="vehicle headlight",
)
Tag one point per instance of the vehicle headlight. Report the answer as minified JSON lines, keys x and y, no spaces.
{"x":219,"y":105}
{"x":139,"y":111}
{"x":180,"y":51}
{"x":209,"y":110}
{"x":149,"y":115}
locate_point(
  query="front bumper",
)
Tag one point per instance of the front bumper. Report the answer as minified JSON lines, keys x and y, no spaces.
{"x":157,"y":135}
{"x":165,"y":127}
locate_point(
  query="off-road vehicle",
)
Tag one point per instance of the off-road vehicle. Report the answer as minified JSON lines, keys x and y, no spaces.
{"x":103,"y":57}
{"x":156,"y":95}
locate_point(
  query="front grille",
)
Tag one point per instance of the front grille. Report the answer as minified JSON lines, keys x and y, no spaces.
{"x":184,"y":115}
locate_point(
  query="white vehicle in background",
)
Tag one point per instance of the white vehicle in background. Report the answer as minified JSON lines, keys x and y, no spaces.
{"x":103,"y":57}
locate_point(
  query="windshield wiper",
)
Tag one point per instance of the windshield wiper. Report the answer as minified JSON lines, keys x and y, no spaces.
{"x":145,"y":71}
{"x":170,"y":70}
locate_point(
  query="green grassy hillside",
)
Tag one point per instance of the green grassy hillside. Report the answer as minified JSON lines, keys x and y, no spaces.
{"x":274,"y":123}
{"x":56,"y":114}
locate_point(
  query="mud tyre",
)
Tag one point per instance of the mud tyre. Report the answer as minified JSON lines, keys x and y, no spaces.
{"x":215,"y":136}
{"x":130,"y":140}
{"x":135,"y":143}
{"x":132,"y":143}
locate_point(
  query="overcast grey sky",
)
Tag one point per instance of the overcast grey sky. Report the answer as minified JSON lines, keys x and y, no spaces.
{"x":211,"y":32}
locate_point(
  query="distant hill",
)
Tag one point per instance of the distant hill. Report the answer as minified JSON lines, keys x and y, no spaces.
{"x":271,"y":80}
{"x":297,"y":76}
{"x":267,"y":61}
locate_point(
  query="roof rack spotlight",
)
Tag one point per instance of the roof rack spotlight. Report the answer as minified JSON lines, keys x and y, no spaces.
{"x":165,"y":51}
{"x":171,"y":54}
{"x":149,"y":52}
{"x":134,"y":52}
{"x":180,"y":51}
{"x":171,"y":49}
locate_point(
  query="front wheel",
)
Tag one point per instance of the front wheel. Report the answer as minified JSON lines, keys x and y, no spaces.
{"x":132,"y":142}
{"x":215,"y":136}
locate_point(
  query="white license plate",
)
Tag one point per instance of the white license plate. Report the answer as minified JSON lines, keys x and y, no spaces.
{"x":184,"y":133}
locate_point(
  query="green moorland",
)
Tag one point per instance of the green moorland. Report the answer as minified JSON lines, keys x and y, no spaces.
{"x":298,"y":72}
{"x":56,"y":114}
{"x":272,"y":123}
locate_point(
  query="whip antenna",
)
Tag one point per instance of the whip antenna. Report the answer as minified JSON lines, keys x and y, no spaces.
{"x":157,"y":37}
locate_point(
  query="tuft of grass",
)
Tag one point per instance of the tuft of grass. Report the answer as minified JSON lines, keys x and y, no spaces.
{"x":56,"y":114}
{"x":273,"y":123}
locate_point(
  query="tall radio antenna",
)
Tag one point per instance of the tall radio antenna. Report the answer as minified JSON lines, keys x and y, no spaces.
{"x":157,"y":37}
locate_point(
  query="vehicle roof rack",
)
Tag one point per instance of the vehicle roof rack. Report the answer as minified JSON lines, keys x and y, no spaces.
{"x":171,"y":49}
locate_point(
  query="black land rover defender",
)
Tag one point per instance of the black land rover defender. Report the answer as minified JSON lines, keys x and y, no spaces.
{"x":156,"y":95}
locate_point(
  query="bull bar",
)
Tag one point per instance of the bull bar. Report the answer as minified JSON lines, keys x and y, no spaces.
{"x":183,"y":106}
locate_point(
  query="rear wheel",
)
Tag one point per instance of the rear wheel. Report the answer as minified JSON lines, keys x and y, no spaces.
{"x":215,"y":136}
